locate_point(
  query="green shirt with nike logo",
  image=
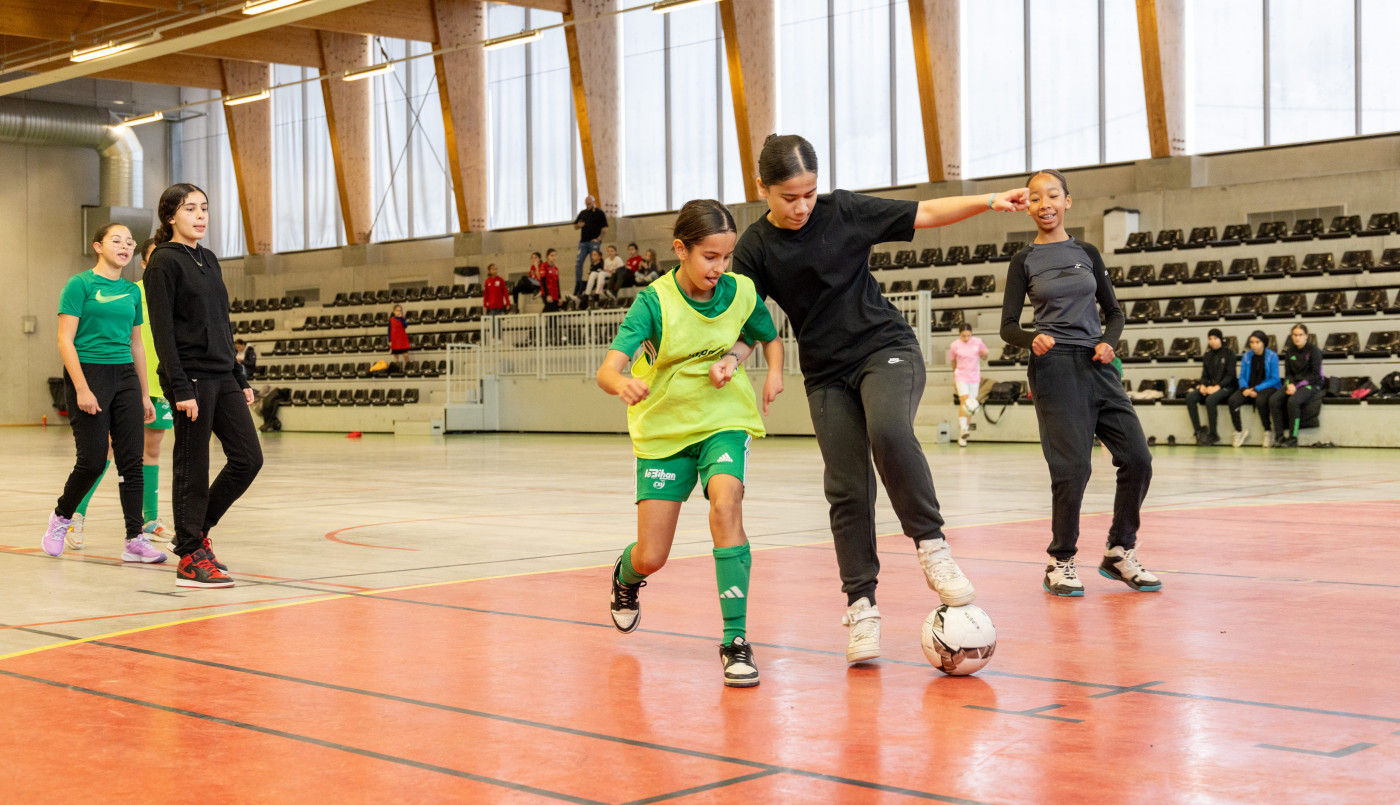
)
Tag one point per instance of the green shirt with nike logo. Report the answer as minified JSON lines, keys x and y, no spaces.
{"x":106,"y":311}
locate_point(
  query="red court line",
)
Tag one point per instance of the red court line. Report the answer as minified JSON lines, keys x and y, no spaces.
{"x":161,"y":611}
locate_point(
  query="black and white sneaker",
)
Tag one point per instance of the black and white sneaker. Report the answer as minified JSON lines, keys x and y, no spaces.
{"x":740,"y":670}
{"x":626,"y":612}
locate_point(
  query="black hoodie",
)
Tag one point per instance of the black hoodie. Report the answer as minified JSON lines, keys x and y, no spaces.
{"x":188,"y":307}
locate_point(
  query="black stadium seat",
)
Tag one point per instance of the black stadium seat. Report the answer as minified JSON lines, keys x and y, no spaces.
{"x":1240,"y":268}
{"x":1328,"y":303}
{"x":1206,"y":270}
{"x":1143,"y":310}
{"x":1277,"y":266}
{"x":1268,"y":232}
{"x":1304,"y":229}
{"x":1251,"y":306}
{"x":1184,"y":349}
{"x":1342,"y":226}
{"x":928,"y":257}
{"x":1381,"y":344}
{"x":1287,"y":306}
{"x":983,"y":253}
{"x":1171,"y":273}
{"x":1234,"y":234}
{"x":1137,"y":241}
{"x":1368,"y":301}
{"x":901,"y":286}
{"x":1212,"y":308}
{"x":1355,"y":262}
{"x":1201,"y":237}
{"x":1382,"y":223}
{"x":1340,"y":345}
{"x":904,"y":257}
{"x":1179,"y":309}
{"x":1139,"y":274}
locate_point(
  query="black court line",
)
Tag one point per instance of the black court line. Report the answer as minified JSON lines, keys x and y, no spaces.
{"x":291,"y":736}
{"x":1336,"y":753}
{"x":1126,"y":689}
{"x":1034,"y":712}
{"x":764,"y":768}
{"x":702,"y":788}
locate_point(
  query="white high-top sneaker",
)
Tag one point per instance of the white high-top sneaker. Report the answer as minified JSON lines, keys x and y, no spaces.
{"x":1121,"y":564}
{"x":1240,"y":436}
{"x":864,"y":619}
{"x":1061,"y":578}
{"x":943,"y":574}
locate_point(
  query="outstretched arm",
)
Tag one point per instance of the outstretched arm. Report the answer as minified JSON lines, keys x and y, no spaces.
{"x":944,"y":211}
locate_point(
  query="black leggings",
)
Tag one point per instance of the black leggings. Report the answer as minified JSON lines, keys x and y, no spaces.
{"x":865,"y":424}
{"x":122,"y":418}
{"x":1260,"y":403}
{"x":223,"y":412}
{"x":1212,"y":401}
{"x":1077,"y":398}
{"x":1296,"y":405}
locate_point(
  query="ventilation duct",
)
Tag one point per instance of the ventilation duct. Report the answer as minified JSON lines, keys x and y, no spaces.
{"x":39,"y":123}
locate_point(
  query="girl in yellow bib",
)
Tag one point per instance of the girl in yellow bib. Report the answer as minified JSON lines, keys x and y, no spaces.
{"x":688,"y":421}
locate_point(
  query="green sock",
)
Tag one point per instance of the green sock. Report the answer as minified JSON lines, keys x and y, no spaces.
{"x":82,"y":507}
{"x":627,"y":575}
{"x":150,"y":494}
{"x":732,"y":577}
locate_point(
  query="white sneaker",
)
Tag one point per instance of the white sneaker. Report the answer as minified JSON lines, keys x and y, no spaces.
{"x":943,"y":575}
{"x":1061,"y":578}
{"x":1240,"y":436}
{"x":962,"y":439}
{"x":1121,"y":564}
{"x":74,"y":537}
{"x":1268,"y":438}
{"x":864,"y":619}
{"x":972,"y":405}
{"x":740,"y":670}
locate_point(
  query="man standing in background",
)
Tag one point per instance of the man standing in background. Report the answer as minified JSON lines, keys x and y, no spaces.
{"x":592,"y":223}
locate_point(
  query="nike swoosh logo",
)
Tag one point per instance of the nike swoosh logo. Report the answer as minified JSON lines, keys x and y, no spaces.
{"x":105,"y":299}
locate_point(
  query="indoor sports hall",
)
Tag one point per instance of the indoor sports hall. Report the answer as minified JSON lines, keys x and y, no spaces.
{"x":453,"y":237}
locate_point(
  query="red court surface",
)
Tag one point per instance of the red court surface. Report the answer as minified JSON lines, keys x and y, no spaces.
{"x":1257,"y":675}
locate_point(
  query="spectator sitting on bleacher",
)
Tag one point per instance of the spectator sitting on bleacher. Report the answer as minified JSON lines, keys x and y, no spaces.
{"x":530,"y":283}
{"x":245,"y":357}
{"x":398,"y":335}
{"x":625,"y":277}
{"x":1303,"y":383}
{"x":495,"y":294}
{"x":597,"y":275}
{"x":1258,"y":382}
{"x":1217,"y":384}
{"x":549,"y":282}
{"x":649,"y":270}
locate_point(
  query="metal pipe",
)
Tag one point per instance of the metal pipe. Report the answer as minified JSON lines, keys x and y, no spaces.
{"x":25,"y":122}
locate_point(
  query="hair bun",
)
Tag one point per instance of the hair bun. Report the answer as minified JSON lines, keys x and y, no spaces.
{"x":770,"y":138}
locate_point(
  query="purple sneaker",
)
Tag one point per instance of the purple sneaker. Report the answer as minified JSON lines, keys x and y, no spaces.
{"x":140,"y":549}
{"x":52,"y":542}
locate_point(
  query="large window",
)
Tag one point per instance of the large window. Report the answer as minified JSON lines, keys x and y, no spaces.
{"x":1377,"y":21}
{"x":1312,"y":70}
{"x":206,"y":161}
{"x":804,"y":85}
{"x":305,"y":200}
{"x":993,"y":87}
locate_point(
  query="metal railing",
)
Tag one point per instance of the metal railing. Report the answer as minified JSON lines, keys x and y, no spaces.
{"x":465,"y":369}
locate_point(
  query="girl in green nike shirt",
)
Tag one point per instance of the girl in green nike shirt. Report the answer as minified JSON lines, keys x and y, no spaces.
{"x":688,"y":421}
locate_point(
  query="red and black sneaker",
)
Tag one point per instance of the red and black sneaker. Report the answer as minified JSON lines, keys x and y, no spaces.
{"x":198,"y":570}
{"x":209,"y":546}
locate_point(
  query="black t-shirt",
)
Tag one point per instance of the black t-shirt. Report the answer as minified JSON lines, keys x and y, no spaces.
{"x":820,"y":276}
{"x":593,"y":222}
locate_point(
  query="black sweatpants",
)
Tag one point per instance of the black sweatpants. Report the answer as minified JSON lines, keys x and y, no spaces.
{"x":1260,"y":402}
{"x":865,"y":424}
{"x":1295,"y":404}
{"x":198,"y":505}
{"x":1075,"y":399}
{"x":118,"y":393}
{"x":1212,"y":401}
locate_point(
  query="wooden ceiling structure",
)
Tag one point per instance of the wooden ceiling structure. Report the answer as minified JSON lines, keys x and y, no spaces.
{"x":212,"y":45}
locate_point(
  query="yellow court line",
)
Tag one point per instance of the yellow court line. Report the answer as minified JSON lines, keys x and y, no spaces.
{"x":333,"y":597}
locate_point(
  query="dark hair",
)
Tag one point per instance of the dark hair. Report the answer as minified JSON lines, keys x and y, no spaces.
{"x":102,"y":233}
{"x":536,"y":254}
{"x":1064,"y":183}
{"x":634,"y":246}
{"x":169,"y":204}
{"x":1298,"y":326}
{"x":965,"y":328}
{"x":785,"y":156}
{"x":1215,"y":331}
{"x":552,"y":251}
{"x":146,"y":247}
{"x":238,"y":341}
{"x":701,"y":218}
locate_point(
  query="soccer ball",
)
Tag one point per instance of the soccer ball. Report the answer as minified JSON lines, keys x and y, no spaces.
{"x":959,"y":640}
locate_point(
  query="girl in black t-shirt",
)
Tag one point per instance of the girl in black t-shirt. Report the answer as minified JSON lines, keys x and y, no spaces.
{"x":861,"y":363}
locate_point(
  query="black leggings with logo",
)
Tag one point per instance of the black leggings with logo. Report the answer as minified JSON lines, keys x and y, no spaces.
{"x":122,"y":418}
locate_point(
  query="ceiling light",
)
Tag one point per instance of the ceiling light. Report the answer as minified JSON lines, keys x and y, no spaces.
{"x":260,"y":6}
{"x":667,"y":6}
{"x":137,"y":121}
{"x":369,"y":72}
{"x":112,"y":48}
{"x":532,"y":35}
{"x":260,"y":95}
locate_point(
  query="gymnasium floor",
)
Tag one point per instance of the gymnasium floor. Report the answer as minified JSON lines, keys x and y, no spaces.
{"x":424,"y":620}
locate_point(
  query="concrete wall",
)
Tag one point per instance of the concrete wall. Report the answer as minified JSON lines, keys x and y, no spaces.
{"x":41,"y":223}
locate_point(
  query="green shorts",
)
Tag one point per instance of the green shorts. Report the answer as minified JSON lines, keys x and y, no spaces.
{"x":165,"y":420}
{"x":674,"y":477}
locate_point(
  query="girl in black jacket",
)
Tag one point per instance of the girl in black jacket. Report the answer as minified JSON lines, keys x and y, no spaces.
{"x":198,"y":372}
{"x":1217,"y":384}
{"x":1303,"y":383}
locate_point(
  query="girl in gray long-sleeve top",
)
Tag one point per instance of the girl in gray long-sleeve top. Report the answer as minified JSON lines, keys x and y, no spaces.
{"x":1077,"y":393}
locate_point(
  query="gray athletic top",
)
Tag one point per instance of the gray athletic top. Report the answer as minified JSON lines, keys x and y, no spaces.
{"x":1063,"y":280}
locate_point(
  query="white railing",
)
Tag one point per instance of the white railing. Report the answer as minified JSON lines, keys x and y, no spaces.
{"x":465,"y":369}
{"x":575,"y":343}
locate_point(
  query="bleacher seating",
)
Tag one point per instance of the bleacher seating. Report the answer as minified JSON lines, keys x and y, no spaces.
{"x":1171,"y":273}
{"x":1201,"y":237}
{"x":1381,"y":344}
{"x":1355,"y":261}
{"x":1179,"y":309}
{"x":1327,"y":303}
{"x":1212,"y":308}
{"x":1382,"y":223}
{"x":1342,"y":226}
{"x":1183,"y":349}
{"x":1139,"y":275}
{"x":1288,"y":305}
{"x":1304,"y":229}
{"x":1206,"y":270}
{"x":1234,"y":234}
{"x":1340,"y":345}
{"x":1268,"y":232}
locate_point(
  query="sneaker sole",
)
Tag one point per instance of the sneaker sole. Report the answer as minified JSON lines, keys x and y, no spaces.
{"x":53,"y":553}
{"x":1142,"y":588}
{"x":1073,"y":594}
{"x":72,"y":545}
{"x":203,"y":584}
{"x":958,"y":600}
{"x":629,"y":629}
{"x":145,"y":560}
{"x":862,"y":656}
{"x":741,"y":683}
